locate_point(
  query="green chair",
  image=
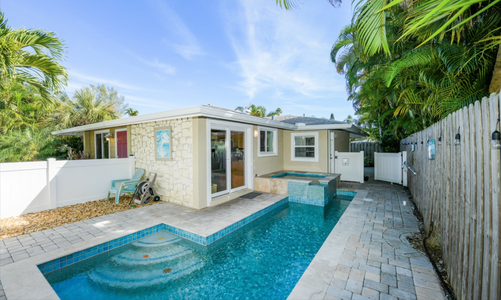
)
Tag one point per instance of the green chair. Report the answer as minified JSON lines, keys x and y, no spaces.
{"x":125,"y":185}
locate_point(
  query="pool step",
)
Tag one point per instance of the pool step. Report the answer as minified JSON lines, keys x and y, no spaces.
{"x":133,"y":278}
{"x":154,"y":256}
{"x":157,"y":240}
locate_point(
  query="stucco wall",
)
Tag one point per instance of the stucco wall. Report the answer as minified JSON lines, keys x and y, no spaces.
{"x":200,"y":163}
{"x":268,"y":164}
{"x":342,"y":141}
{"x":323,"y":152}
{"x":174,"y":177}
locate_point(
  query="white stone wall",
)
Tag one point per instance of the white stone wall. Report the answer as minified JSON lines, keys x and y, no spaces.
{"x":175,"y":177}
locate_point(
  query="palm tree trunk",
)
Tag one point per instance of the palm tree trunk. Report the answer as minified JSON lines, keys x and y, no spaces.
{"x":496,"y":74}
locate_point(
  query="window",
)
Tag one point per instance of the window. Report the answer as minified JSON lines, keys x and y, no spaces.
{"x":267,"y":141}
{"x":102,"y":145}
{"x":304,"y":146}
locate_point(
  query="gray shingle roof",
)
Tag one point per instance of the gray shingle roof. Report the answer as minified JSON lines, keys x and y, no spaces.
{"x":291,"y":119}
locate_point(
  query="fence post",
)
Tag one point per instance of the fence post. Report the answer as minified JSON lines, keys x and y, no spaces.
{"x":404,"y":169}
{"x":132,"y":165}
{"x":52,"y":182}
{"x":362,"y":171}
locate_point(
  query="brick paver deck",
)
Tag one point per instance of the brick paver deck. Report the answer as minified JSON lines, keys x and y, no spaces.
{"x":364,"y":257}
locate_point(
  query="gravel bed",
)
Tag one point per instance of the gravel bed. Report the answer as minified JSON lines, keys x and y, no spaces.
{"x":51,"y":218}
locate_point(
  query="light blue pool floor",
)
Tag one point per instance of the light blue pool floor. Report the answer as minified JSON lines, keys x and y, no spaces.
{"x":364,"y":256}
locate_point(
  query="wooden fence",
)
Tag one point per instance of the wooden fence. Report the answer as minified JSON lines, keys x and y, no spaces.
{"x":458,"y":193}
{"x":368,"y":147}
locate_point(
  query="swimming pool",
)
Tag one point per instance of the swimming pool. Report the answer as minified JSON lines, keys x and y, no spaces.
{"x":301,"y":176}
{"x":262,"y":260}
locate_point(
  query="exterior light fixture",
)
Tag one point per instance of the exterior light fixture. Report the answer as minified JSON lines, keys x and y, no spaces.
{"x":496,"y":136}
{"x":496,"y":139}
{"x":108,"y":136}
{"x":256,"y":133}
{"x":457,"y":139}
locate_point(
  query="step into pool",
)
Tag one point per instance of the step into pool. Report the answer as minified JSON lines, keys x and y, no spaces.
{"x":262,"y":260}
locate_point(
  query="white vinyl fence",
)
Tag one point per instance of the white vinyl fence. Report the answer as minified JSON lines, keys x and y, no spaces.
{"x":388,"y":167}
{"x":350,"y":165}
{"x":28,"y":187}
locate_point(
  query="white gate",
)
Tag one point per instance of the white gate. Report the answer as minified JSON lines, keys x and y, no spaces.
{"x":350,"y":165}
{"x":389,"y":167}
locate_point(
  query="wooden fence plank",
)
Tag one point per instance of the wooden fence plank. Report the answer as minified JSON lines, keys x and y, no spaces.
{"x":486,"y":198}
{"x":495,"y":278}
{"x":472,"y":212}
{"x":465,"y":159}
{"x":480,"y":208}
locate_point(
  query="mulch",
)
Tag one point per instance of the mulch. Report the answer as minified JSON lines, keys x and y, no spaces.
{"x":15,"y":226}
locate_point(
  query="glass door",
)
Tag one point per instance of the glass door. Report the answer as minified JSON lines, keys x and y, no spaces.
{"x":218,"y":161}
{"x":227,"y":160}
{"x":237,"y":159}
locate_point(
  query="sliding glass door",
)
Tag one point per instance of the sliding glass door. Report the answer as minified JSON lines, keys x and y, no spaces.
{"x":227,"y":159}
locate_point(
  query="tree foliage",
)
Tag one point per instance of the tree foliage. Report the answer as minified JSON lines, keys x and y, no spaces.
{"x":417,"y":80}
{"x":30,"y":57}
{"x":258,"y":111}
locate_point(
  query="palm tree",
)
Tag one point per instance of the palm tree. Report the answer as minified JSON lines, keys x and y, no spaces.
{"x":27,"y":145}
{"x":31,"y":57}
{"x":89,"y":105}
{"x":131,"y":112}
{"x":258,"y":111}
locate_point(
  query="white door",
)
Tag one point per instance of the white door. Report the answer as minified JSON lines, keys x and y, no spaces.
{"x":389,"y":167}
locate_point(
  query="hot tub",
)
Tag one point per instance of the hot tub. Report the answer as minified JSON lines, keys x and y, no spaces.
{"x":302,"y":187}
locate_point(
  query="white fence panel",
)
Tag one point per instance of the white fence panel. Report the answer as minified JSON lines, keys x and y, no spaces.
{"x":388,"y":167}
{"x":350,"y":165}
{"x":35,"y":186}
{"x":23,"y":188}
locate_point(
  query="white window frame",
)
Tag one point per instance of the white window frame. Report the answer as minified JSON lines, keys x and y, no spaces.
{"x":95,"y":144}
{"x":275,"y":141}
{"x":293,"y":146}
{"x":249,"y":160}
{"x":116,"y":142}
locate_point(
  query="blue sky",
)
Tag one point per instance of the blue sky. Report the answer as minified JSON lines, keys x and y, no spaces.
{"x":171,"y":54}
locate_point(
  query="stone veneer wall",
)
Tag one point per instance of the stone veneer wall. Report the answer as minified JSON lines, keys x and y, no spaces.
{"x":175,"y":177}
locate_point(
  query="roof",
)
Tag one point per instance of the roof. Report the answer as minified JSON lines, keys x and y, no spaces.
{"x":210,"y":111}
{"x":291,"y":119}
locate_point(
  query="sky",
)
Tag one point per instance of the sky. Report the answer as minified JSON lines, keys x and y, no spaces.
{"x":170,"y":54}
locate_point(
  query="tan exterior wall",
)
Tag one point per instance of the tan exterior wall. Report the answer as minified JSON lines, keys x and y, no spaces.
{"x":175,"y":181}
{"x":342,"y":141}
{"x":200,"y":163}
{"x":323,"y":152}
{"x":268,"y":164}
{"x":90,"y":141}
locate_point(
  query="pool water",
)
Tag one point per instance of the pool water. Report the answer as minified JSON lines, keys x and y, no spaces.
{"x":262,"y":260}
{"x":302,"y":176}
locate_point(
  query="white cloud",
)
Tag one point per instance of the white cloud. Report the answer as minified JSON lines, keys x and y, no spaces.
{"x":89,"y":79}
{"x":155,"y":63}
{"x":279,"y":52}
{"x":187,"y":45}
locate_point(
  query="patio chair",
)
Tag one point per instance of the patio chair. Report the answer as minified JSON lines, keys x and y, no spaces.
{"x":125,"y":185}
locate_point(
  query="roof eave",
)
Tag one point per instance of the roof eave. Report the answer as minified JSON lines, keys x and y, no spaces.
{"x":195,"y":111}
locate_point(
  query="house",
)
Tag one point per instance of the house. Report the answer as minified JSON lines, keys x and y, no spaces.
{"x":206,"y":155}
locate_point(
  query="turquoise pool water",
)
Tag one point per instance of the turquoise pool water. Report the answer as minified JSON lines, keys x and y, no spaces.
{"x":303,"y":176}
{"x":262,"y":260}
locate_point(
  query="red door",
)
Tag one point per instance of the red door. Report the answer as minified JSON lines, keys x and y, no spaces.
{"x":122,"y":144}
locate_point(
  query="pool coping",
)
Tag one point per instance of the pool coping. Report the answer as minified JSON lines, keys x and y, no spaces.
{"x":24,"y":279}
{"x":311,"y":282}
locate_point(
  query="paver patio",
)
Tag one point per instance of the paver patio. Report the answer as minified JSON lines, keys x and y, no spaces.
{"x":364,"y":257}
